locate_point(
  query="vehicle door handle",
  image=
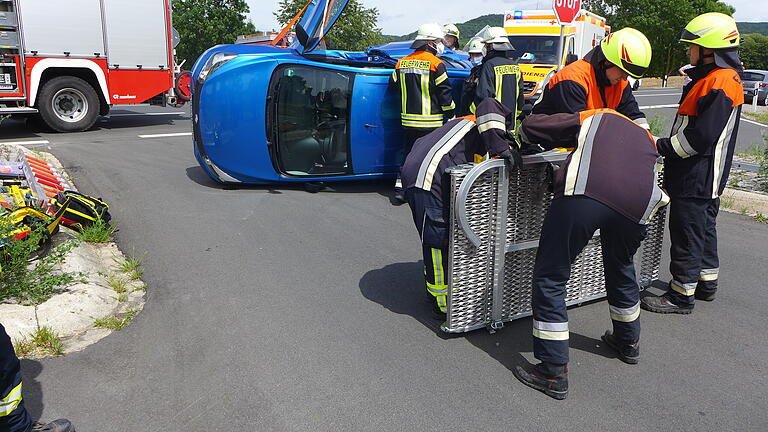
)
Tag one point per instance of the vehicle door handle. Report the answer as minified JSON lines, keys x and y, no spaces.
{"x":371,"y":126}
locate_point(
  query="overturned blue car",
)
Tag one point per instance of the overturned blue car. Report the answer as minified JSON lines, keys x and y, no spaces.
{"x":265,"y":114}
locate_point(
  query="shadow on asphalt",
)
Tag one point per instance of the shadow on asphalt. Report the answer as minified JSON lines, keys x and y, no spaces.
{"x":33,"y":393}
{"x":18,"y":129}
{"x":114,"y":123}
{"x":400,"y":288}
{"x":381,"y":186}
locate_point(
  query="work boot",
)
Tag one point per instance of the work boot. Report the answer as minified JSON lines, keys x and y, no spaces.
{"x":551,"y":379}
{"x":60,"y":425}
{"x":702,"y":293}
{"x":628,"y":353}
{"x":399,"y":196}
{"x":664,"y":304}
{"x":438,"y":314}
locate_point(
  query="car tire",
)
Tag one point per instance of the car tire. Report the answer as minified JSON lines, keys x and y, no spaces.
{"x":68,"y":104}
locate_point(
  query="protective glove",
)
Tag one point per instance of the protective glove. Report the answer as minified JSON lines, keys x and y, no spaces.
{"x":513,"y":158}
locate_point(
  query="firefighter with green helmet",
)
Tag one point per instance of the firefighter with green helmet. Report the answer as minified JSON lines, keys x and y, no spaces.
{"x":698,"y":157}
{"x":599,"y":80}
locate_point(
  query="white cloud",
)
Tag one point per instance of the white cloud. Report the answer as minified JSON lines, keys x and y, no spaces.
{"x":404,"y":16}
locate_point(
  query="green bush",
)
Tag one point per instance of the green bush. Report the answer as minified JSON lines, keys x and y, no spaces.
{"x":31,"y":282}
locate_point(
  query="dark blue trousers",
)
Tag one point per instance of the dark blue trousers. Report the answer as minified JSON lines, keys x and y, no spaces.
{"x":694,"y":263}
{"x":431,"y":219}
{"x":13,"y":416}
{"x":568,"y":226}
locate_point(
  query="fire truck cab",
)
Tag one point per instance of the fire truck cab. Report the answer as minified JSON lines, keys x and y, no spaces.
{"x":535,"y":34}
{"x":67,"y":62}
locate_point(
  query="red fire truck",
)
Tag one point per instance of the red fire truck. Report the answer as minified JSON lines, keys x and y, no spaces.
{"x":67,"y":62}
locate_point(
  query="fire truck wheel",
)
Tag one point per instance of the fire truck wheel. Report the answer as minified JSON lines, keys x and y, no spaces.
{"x":68,"y":104}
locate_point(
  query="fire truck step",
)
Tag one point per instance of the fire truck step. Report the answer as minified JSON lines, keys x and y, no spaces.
{"x":17,"y":110}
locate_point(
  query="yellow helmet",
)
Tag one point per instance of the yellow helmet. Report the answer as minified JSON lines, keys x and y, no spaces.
{"x":451,"y":30}
{"x":712,"y":30}
{"x":629,"y":50}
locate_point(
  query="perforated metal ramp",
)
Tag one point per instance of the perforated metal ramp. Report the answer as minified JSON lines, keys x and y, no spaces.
{"x":496,"y":223}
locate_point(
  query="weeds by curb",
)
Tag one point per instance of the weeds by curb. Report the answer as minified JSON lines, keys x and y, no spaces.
{"x":42,"y":342}
{"x":115,"y":322}
{"x":97,"y":232}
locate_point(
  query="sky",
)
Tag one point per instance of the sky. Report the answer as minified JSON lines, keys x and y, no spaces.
{"x":399,"y":17}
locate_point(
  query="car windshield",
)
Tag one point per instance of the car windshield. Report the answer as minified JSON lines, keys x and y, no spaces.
{"x":753,"y":76}
{"x":312,"y":113}
{"x":534,"y":49}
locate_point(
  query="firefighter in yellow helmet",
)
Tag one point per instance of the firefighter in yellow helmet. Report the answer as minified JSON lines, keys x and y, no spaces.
{"x":425,"y":92}
{"x":452,"y":35}
{"x":599,"y":80}
{"x":698,"y":158}
{"x":500,"y":77}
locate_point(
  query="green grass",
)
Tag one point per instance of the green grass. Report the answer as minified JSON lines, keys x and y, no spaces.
{"x":43,"y":341}
{"x":727,"y":202}
{"x":116,"y":322}
{"x":657,"y":124}
{"x":97,"y":232}
{"x":761,"y":218}
{"x":762,"y":117}
{"x":118,"y":284}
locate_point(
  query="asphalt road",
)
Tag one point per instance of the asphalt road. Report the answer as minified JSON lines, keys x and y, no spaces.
{"x":276,"y":309}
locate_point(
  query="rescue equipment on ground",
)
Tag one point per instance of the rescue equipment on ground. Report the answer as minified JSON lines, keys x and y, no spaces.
{"x":84,"y":210}
{"x":494,"y":232}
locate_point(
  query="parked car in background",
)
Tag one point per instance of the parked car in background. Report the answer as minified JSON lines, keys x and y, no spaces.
{"x":749,"y":78}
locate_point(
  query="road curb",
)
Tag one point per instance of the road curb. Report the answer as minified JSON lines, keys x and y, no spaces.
{"x":744,"y":202}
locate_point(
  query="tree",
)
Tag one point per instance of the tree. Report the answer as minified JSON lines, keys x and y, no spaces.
{"x":661,"y":21}
{"x":754,"y":51}
{"x":355,"y":30}
{"x":204,"y":23}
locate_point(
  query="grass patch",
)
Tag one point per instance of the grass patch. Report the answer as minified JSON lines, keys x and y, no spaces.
{"x":97,"y":232}
{"x":116,"y":322}
{"x":727,"y":202}
{"x":32,"y":281}
{"x":118,"y":284}
{"x":131,"y":266}
{"x":762,"y":117}
{"x":761,"y":218}
{"x":44,"y":341}
{"x":657,"y":124}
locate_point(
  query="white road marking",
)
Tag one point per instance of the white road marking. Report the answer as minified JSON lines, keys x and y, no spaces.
{"x":659,"y":106}
{"x":26,"y":142}
{"x":657,"y":94}
{"x":166,"y":135}
{"x":754,"y":122}
{"x":150,"y":114}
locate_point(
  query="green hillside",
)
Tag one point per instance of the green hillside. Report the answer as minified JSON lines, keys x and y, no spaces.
{"x":467,"y":29}
{"x":753,"y":27}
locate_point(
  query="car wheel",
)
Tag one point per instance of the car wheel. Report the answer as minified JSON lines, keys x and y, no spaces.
{"x":68,"y":104}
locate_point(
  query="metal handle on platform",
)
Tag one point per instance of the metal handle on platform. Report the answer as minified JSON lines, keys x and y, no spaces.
{"x":460,"y":206}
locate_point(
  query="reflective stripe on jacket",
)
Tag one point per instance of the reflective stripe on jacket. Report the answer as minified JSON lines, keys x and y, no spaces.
{"x":700,"y":150}
{"x":615,"y":160}
{"x":455,"y":143}
{"x":425,"y":91}
{"x":576,"y":88}
{"x":500,"y":78}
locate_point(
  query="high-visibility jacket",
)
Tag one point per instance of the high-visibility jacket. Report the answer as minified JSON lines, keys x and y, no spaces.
{"x":455,"y":143}
{"x":578,"y":87}
{"x":425,"y":91}
{"x":615,"y":160}
{"x":500,"y":78}
{"x":698,"y":155}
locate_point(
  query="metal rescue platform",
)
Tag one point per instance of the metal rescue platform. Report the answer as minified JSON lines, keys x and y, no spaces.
{"x":495,"y":226}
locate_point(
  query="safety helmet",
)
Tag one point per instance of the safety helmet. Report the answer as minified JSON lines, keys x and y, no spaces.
{"x":712,"y":30}
{"x":451,"y":30}
{"x":717,"y":32}
{"x":430,"y":32}
{"x":474,"y":46}
{"x":629,"y":50}
{"x":498,"y":38}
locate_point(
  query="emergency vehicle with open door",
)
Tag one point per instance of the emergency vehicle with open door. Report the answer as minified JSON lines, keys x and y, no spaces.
{"x":535,"y":34}
{"x":67,"y":62}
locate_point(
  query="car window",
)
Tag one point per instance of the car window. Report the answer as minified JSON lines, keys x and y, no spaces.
{"x":312,"y":113}
{"x":753,"y":76}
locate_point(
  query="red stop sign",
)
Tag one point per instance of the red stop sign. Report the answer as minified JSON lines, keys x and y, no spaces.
{"x":566,"y":10}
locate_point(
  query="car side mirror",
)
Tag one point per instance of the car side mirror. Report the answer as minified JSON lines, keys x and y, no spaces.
{"x":570,"y":58}
{"x":302,"y":35}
